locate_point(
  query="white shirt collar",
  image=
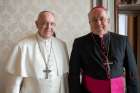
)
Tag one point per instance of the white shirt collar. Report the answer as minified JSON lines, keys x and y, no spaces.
{"x":46,"y":40}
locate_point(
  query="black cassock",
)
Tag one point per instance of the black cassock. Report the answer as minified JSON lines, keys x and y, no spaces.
{"x":86,"y":59}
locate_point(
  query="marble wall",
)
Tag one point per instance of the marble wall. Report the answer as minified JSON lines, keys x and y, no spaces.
{"x":17,"y":21}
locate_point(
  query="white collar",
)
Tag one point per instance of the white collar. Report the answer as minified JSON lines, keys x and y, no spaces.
{"x":41,"y":39}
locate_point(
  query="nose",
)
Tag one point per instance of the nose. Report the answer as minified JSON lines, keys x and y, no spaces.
{"x":98,"y":21}
{"x":48,"y":25}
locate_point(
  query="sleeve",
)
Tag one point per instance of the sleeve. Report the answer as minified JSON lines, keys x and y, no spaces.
{"x":13,"y":84}
{"x":74,"y":70}
{"x":14,"y":69}
{"x":64,"y":84}
{"x":132,"y":80}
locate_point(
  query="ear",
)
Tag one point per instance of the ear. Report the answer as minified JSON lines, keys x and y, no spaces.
{"x":108,"y":20}
{"x":89,"y":18}
{"x":36,"y":23}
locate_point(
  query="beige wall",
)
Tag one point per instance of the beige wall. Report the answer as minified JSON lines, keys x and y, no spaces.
{"x":17,"y":21}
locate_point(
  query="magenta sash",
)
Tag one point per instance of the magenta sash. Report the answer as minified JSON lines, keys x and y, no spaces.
{"x":114,"y":85}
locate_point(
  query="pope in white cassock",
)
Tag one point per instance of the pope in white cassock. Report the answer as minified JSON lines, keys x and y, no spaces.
{"x":40,"y":61}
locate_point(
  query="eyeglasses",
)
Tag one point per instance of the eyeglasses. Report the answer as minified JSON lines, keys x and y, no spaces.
{"x":96,"y":19}
{"x":47,"y":24}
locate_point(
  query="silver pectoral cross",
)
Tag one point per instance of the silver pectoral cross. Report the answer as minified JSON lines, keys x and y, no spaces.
{"x":108,"y":62}
{"x":46,"y":71}
{"x":107,"y":65}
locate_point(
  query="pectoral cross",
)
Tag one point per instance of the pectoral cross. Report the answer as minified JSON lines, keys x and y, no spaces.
{"x":46,"y":71}
{"x":107,"y":65}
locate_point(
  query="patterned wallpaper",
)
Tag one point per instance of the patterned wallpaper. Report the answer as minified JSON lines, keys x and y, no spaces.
{"x":17,"y":21}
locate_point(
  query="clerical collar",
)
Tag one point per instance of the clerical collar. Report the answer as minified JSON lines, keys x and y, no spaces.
{"x":43,"y":39}
{"x":106,"y":38}
{"x":97,"y":36}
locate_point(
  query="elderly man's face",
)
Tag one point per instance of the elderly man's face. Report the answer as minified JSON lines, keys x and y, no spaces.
{"x":99,"y":21}
{"x":46,"y":24}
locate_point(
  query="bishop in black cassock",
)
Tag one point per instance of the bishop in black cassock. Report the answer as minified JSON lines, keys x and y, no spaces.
{"x":106,"y":63}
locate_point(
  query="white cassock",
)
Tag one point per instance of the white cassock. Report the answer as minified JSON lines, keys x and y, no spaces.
{"x":27,"y":62}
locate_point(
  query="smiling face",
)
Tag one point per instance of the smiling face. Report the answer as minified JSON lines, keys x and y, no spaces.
{"x":45,"y":24}
{"x":99,"y":21}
